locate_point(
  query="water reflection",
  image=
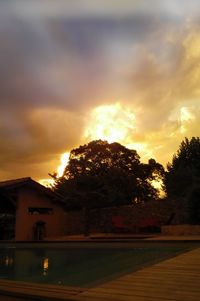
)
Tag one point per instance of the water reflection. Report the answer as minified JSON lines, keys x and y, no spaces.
{"x":9,"y":261}
{"x":6,"y":264}
{"x":75,"y":266}
{"x":45,"y":266}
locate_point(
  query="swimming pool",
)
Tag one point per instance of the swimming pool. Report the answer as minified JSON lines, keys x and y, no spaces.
{"x":80,"y":264}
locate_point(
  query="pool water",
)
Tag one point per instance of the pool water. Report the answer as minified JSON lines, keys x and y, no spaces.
{"x":79,"y":265}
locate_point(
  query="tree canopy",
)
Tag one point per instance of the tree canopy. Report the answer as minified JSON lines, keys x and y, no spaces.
{"x":101,"y":174}
{"x":184,"y":171}
{"x":183,"y":176}
{"x":99,"y":156}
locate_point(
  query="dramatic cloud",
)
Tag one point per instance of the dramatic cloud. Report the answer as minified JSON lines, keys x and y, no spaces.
{"x":62,"y":61}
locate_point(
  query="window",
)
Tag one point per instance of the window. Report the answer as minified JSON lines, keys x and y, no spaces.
{"x":40,"y":210}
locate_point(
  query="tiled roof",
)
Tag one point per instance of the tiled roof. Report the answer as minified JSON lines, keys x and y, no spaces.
{"x":16,"y":183}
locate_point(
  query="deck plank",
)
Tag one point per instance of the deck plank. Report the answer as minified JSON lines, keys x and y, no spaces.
{"x":175,"y":279}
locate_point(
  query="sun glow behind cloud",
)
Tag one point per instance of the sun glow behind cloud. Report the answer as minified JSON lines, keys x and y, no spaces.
{"x":118,"y":123}
{"x":64,"y":159}
{"x":110,"y":122}
{"x":185,"y":117}
{"x":115,"y":123}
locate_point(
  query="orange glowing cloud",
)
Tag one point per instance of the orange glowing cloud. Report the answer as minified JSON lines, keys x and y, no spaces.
{"x":115,"y":123}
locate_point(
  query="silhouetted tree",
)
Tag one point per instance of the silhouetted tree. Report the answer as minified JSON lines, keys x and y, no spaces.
{"x":97,"y":157}
{"x":101,"y":174}
{"x":194,"y":206}
{"x":184,"y":171}
{"x":183,"y":176}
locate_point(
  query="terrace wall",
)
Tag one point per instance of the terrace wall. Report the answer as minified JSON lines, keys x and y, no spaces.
{"x":181,"y":230}
{"x":134,"y":219}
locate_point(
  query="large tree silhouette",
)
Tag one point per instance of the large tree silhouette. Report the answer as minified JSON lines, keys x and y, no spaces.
{"x":101,"y":174}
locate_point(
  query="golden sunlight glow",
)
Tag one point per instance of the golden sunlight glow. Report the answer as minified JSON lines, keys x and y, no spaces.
{"x":115,"y":123}
{"x":185,"y":117}
{"x":46,"y":182}
{"x":158,"y":183}
{"x":64,"y":159}
{"x":142,"y":148}
{"x":186,"y":114}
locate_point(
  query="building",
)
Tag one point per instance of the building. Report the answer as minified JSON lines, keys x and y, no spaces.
{"x":30,"y":211}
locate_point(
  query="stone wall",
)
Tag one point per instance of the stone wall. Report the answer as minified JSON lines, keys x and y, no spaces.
{"x":136,"y":218}
{"x":74,"y":222}
{"x":131,"y":218}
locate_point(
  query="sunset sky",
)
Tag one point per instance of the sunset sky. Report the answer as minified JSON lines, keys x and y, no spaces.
{"x":76,"y":70}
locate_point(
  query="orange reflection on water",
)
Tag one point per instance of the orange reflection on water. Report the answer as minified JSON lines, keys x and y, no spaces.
{"x":8,"y":261}
{"x":45,"y":266}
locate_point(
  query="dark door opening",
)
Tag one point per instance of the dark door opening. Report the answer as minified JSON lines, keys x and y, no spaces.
{"x":39,"y":230}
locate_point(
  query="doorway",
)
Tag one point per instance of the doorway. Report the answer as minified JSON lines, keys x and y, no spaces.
{"x":39,"y":230}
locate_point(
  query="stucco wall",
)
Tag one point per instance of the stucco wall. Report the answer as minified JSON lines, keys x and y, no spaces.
{"x":55,"y":223}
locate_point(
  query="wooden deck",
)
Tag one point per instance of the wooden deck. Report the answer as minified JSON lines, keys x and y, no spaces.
{"x":25,"y":291}
{"x":175,"y":279}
